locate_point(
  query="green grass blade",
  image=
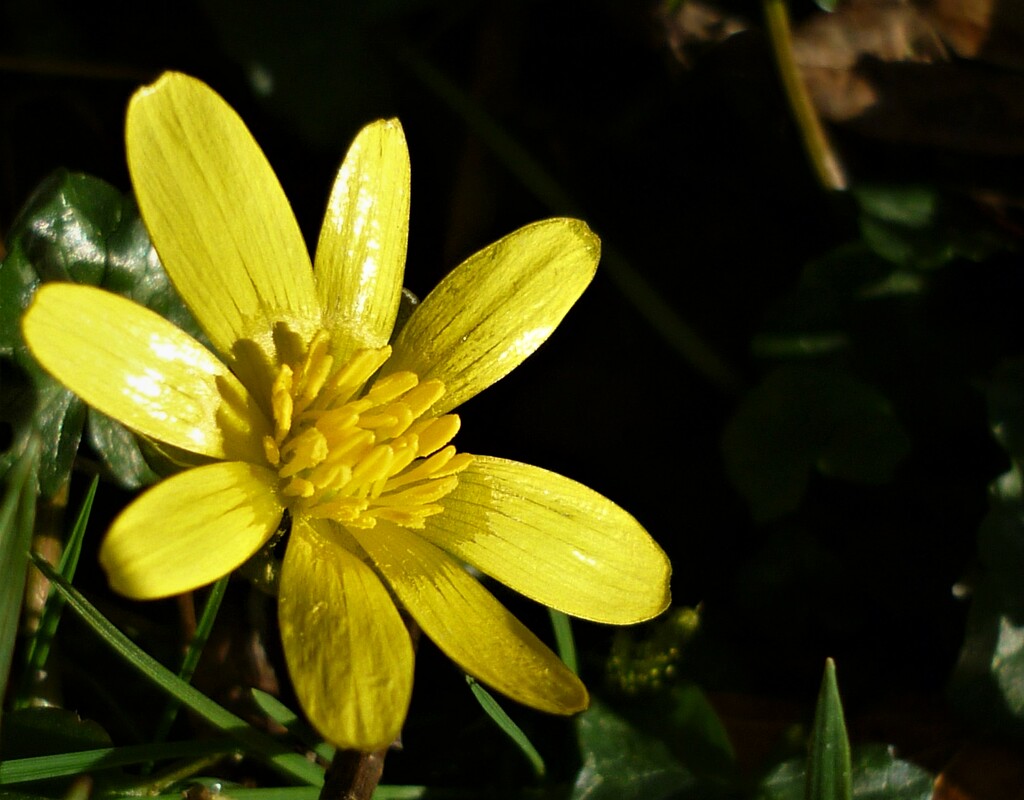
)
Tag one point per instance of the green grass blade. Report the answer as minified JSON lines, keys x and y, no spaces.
{"x":54,"y":766}
{"x":38,"y":648}
{"x":291,"y":722}
{"x":829,"y":776}
{"x":17,"y":519}
{"x":255,"y":743}
{"x":504,"y":721}
{"x":192,"y":654}
{"x":565,"y":643}
{"x":310,"y":793}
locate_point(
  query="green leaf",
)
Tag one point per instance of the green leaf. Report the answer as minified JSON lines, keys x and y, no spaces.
{"x":910,"y":206}
{"x":917,"y":227}
{"x":828,"y":765}
{"x":701,"y":741}
{"x":803,"y":418}
{"x":119,"y":450}
{"x":18,"y":282}
{"x":75,"y":228}
{"x":877,"y":775}
{"x":17,"y":520}
{"x":64,"y":225}
{"x":621,"y":762}
{"x":505,"y":722}
{"x":1005,"y":396}
{"x":988,"y":683}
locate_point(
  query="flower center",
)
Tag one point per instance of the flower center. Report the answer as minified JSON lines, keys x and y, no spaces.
{"x":355,"y":456}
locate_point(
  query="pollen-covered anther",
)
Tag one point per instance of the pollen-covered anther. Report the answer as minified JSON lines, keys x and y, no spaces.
{"x":354,"y":451}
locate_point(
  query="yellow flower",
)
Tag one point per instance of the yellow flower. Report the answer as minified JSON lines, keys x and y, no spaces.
{"x":309,"y":410}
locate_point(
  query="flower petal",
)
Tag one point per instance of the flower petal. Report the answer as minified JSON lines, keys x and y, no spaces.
{"x":135,"y":366}
{"x":191,"y":529}
{"x":553,"y":540}
{"x":468,"y":624}
{"x":361,"y":254}
{"x":349,"y":653}
{"x":496,"y":308}
{"x":219,"y":219}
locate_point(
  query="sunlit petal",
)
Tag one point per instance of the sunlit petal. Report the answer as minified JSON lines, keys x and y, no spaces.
{"x":496,"y":308}
{"x":219,"y":219}
{"x":348,"y":652}
{"x":191,"y":529}
{"x":553,"y":540}
{"x":138,"y":368}
{"x":361,"y":254}
{"x":468,"y":624}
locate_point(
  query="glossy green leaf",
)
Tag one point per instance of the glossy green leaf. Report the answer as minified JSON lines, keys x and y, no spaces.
{"x":1005,"y":396}
{"x":621,"y":762}
{"x":917,"y":227}
{"x":119,"y":450}
{"x":802,"y":418}
{"x":700,"y":739}
{"x":988,"y":683}
{"x":829,"y":774}
{"x":74,"y":228}
{"x":877,"y":775}
{"x":64,"y":225}
{"x":18,"y":281}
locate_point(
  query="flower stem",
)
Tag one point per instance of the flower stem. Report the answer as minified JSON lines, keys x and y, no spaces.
{"x":353,"y":775}
{"x":823,"y":159}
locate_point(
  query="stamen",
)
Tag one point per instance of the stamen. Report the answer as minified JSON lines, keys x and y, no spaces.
{"x":356,"y":455}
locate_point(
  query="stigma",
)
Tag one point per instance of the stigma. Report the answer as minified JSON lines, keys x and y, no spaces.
{"x":354,"y":451}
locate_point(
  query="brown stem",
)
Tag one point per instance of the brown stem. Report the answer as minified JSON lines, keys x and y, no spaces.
{"x":353,"y":775}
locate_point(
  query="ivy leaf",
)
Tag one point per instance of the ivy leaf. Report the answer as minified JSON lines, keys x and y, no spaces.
{"x":74,"y":228}
{"x":621,"y":762}
{"x":988,"y":683}
{"x":805,"y":418}
{"x":877,"y":775}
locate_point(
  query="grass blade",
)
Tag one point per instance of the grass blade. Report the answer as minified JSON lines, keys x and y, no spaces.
{"x":17,"y":519}
{"x":291,"y":722}
{"x":192,"y":654}
{"x":54,"y":766}
{"x":255,"y":743}
{"x":504,"y":721}
{"x":829,"y":776}
{"x":38,"y":648}
{"x":565,"y":643}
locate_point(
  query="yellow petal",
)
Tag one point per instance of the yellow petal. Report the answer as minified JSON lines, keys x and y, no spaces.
{"x":135,"y":366}
{"x":348,"y":652}
{"x":468,"y":624}
{"x":191,"y":529}
{"x":361,"y":254}
{"x":219,"y":219}
{"x":496,"y":308}
{"x":553,"y":540}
